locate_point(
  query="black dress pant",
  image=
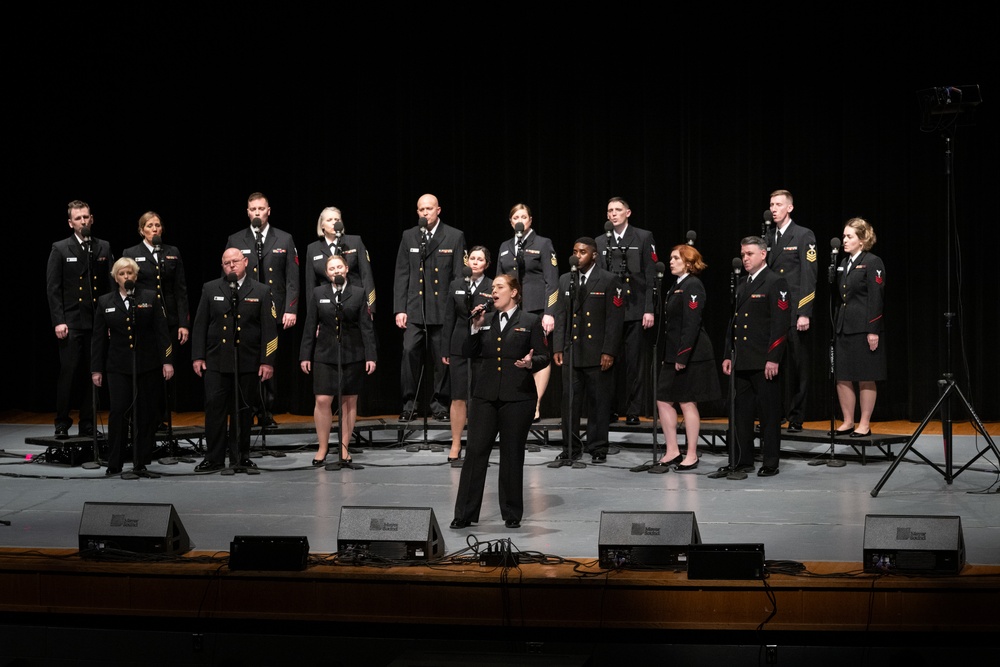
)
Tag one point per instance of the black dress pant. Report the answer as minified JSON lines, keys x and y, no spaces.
{"x":415,"y":338}
{"x":795,"y":369}
{"x":73,"y":383}
{"x":512,"y":421}
{"x":222,"y":401}
{"x":593,"y":389}
{"x":143,"y":416}
{"x":756,"y":396}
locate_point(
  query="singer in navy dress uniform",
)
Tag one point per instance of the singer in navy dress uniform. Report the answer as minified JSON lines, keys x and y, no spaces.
{"x":630,"y":253}
{"x":430,"y":256}
{"x":532,"y":260}
{"x":338,"y":348}
{"x":333,"y":240}
{"x":131,"y":329}
{"x":511,"y":347}
{"x":78,"y":272}
{"x":792,"y":255}
{"x":859,"y":348}
{"x":586,"y":347}
{"x":278,"y":269}
{"x":754,"y":352}
{"x":235,"y":332}
{"x":466,"y":293}
{"x":161,"y":270}
{"x":688,"y":374}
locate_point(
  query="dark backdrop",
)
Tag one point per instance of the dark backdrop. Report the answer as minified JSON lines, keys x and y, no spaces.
{"x":188,"y":116}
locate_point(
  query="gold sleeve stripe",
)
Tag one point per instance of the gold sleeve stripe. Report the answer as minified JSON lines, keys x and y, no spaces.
{"x":170,"y":350}
{"x":552,"y":298}
{"x":807,"y":299}
{"x":371,"y":297}
{"x":272,"y":347}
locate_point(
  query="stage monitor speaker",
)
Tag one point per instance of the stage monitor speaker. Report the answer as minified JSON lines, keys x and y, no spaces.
{"x":149,"y":528}
{"x":391,"y":533}
{"x":726,"y":561}
{"x":269,"y":553}
{"x":646,"y":540}
{"x":913,"y":544}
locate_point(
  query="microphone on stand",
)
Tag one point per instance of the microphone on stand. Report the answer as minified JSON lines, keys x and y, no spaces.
{"x":768,"y":221}
{"x":232,"y":279}
{"x":661,"y":268}
{"x":834,"y":250}
{"x":692,"y":236}
{"x":130,"y":288}
{"x":734,"y":277}
{"x":467,"y":274}
{"x":256,"y":224}
{"x":519,"y":230}
{"x":338,"y":229}
{"x":85,"y":235}
{"x":157,"y":242}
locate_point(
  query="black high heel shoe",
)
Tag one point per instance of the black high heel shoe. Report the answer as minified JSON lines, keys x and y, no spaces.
{"x":318,"y":462}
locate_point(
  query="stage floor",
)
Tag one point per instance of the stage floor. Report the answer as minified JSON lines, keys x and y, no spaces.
{"x":806,"y":513}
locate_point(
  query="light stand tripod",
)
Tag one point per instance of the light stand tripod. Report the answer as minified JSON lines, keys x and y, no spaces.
{"x":832,"y":462}
{"x":946,"y":105}
{"x":571,"y":430}
{"x":427,"y":360}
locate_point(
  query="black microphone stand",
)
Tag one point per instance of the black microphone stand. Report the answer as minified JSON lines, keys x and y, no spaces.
{"x":234,"y":426}
{"x":833,"y":461}
{"x":340,"y":463}
{"x":571,"y":432}
{"x":733,"y":440}
{"x":657,"y":314}
{"x":87,"y":241}
{"x":427,"y":361}
{"x":266,"y":395}
{"x":138,"y":464}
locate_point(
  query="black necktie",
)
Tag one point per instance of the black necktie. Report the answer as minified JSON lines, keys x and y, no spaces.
{"x":583,"y":281}
{"x":503,"y":320}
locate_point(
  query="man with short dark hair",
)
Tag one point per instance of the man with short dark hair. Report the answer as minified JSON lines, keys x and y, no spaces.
{"x":754,"y":350}
{"x":78,"y":271}
{"x":589,"y":314}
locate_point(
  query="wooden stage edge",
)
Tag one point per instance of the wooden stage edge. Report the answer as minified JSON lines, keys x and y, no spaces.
{"x":822,"y":597}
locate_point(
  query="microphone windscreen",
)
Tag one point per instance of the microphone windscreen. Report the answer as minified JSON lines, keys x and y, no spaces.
{"x":835,"y":243}
{"x":768,"y":216}
{"x":422,"y":223}
{"x":232,"y":278}
{"x":85,"y":232}
{"x":157,"y":240}
{"x":519,"y":227}
{"x":129,"y":285}
{"x":338,"y":227}
{"x":256,"y":223}
{"x":339,"y":280}
{"x":692,"y":236}
{"x":737,"y":264}
{"x":574,"y":262}
{"x":467,"y":271}
{"x":608,"y":226}
{"x":660,"y":268}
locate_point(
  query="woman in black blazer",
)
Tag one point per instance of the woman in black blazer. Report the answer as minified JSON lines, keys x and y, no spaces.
{"x":535,"y":266}
{"x":858,"y":348}
{"x":130,"y":338}
{"x":333,"y":240}
{"x":338,"y":328}
{"x":687,"y":372}
{"x":511,"y":348}
{"x":466,"y":292}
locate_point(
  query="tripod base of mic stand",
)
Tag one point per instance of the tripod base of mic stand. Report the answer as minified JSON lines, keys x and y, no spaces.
{"x":91,"y":465}
{"x":645,"y":467}
{"x":343,"y":465}
{"x":136,"y":474}
{"x":421,"y":448}
{"x":232,"y":470}
{"x":830,"y":462}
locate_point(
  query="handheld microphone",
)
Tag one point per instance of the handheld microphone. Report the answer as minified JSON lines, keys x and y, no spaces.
{"x":692,"y":236}
{"x":834,"y":250}
{"x":338,"y":229}
{"x":486,"y":307}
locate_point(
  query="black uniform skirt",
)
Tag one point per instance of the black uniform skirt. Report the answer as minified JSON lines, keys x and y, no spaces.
{"x":855,"y":362}
{"x":325,"y":378}
{"x":697,"y":383}
{"x":458,"y":371}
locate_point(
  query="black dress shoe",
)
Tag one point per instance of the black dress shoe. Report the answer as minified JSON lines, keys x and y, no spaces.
{"x":318,"y":462}
{"x":795,"y":427}
{"x":681,"y":466}
{"x":267,"y":421}
{"x":563,"y":456}
{"x":406,"y":415}
{"x":855,"y":434}
{"x":111,"y":472}
{"x":62,"y":432}
{"x":247,"y":463}
{"x":208,"y":466}
{"x":512,"y":523}
{"x":596,"y":458}
{"x":632,"y":420}
{"x":459,"y":524}
{"x":452,"y":460}
{"x":613,"y":418}
{"x":442,"y":416}
{"x":839,"y":433}
{"x":767,"y":471}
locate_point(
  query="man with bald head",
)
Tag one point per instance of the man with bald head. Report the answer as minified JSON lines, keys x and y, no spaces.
{"x":430,"y":256}
{"x":234,"y":340}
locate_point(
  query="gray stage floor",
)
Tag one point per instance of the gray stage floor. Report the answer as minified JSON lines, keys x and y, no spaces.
{"x":806,"y":513}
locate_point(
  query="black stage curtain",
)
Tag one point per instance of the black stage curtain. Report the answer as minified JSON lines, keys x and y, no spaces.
{"x":188,"y":124}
